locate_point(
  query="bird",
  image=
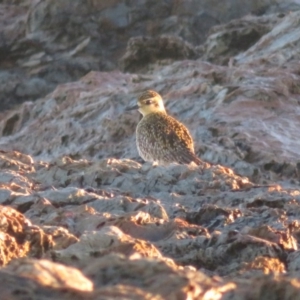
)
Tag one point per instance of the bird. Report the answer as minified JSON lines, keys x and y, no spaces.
{"x":161,"y":138}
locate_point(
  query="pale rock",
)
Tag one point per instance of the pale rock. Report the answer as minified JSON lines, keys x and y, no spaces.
{"x":224,"y":42}
{"x":61,"y":237}
{"x":98,"y":244}
{"x":67,"y":196}
{"x":278,"y":46}
{"x":51,"y":274}
{"x":154,"y":276}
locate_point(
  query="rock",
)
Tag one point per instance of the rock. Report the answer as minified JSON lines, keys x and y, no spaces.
{"x":267,"y":286}
{"x":211,"y":216}
{"x":228,"y":94}
{"x":5,"y":195}
{"x":74,"y":190}
{"x":45,"y":43}
{"x":50,"y":274}
{"x":159,"y":278}
{"x":20,"y":288}
{"x":224,"y":42}
{"x":19,"y":237}
{"x":138,"y":235}
{"x":263,"y":265}
{"x":61,"y":237}
{"x":98,"y":244}
{"x":142,"y":51}
{"x":293,"y":263}
{"x":277,"y":47}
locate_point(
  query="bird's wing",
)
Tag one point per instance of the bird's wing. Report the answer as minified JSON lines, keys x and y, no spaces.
{"x":179,"y":146}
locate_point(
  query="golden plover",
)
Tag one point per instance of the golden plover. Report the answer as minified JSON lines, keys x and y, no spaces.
{"x":159,"y":137}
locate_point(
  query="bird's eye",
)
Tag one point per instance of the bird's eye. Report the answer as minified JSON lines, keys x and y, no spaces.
{"x":148,"y":102}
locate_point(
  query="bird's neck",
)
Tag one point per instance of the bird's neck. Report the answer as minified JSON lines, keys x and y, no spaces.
{"x":146,"y":112}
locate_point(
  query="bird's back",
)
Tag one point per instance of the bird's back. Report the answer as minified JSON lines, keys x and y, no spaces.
{"x":162,"y":138}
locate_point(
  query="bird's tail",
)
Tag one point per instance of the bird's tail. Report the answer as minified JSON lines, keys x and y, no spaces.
{"x":187,"y":157}
{"x":197,"y":160}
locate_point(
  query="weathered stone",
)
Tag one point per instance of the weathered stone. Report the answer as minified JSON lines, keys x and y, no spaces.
{"x":142,"y":51}
{"x":19,"y":237}
{"x":16,"y":287}
{"x":151,"y":275}
{"x":263,"y":265}
{"x":224,"y":42}
{"x":47,"y":42}
{"x":50,"y":274}
{"x":61,"y":237}
{"x":141,"y":230}
{"x":5,"y":195}
{"x":278,"y":46}
{"x":98,"y":244}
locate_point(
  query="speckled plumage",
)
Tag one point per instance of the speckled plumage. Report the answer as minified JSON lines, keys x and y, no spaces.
{"x":160,"y":137}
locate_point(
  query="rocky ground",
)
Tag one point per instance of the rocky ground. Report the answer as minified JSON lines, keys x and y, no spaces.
{"x":83,"y":217}
{"x":44,"y":43}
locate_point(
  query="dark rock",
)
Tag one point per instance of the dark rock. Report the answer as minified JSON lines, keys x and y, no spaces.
{"x":142,"y":51}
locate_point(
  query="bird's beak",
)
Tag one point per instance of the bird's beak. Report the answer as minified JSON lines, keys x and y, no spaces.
{"x":131,"y":108}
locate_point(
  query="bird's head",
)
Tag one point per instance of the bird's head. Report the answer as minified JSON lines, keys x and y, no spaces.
{"x":149,"y":102}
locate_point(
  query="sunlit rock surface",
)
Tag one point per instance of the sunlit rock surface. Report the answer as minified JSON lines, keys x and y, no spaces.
{"x":167,"y":228}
